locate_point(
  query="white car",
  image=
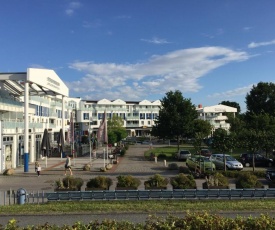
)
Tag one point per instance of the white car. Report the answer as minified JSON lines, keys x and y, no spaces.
{"x":230,"y":162}
{"x":183,"y":154}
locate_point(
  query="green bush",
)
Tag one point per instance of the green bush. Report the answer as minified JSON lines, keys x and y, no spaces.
{"x":122,"y":152}
{"x":73,"y":183}
{"x":128,"y":181}
{"x":184,"y":169}
{"x":100,"y":182}
{"x":161,"y":156}
{"x":235,"y":174}
{"x":173,"y":166}
{"x":248,"y":180}
{"x":183,"y":181}
{"x":217,"y":179}
{"x":191,"y":221}
{"x":156,"y":181}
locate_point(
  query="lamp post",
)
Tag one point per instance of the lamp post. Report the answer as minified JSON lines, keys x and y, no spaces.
{"x":90,"y":130}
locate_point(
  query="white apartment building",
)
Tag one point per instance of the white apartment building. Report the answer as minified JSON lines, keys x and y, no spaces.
{"x":216,"y":115}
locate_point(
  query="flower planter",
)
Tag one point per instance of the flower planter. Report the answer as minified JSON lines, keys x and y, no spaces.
{"x":206,"y":186}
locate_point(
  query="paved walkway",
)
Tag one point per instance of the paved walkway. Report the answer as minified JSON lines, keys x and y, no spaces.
{"x":133,"y":163}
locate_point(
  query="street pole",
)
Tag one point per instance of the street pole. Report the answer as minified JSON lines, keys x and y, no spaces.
{"x":90,"y":131}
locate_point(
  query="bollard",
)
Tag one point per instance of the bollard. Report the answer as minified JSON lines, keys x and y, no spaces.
{"x":156,"y":159}
{"x":164,"y":162}
{"x":21,"y":196}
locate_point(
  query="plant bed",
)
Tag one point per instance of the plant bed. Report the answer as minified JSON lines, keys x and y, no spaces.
{"x":99,"y":183}
{"x":96,"y":189}
{"x":205,"y":185}
{"x":183,"y":181}
{"x":127,"y":181}
{"x":156,"y":181}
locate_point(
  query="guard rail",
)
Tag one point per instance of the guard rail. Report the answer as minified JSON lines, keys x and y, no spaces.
{"x":162,"y":194}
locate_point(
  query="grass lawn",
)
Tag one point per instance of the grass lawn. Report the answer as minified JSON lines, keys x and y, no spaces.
{"x":170,"y":151}
{"x":167,"y":206}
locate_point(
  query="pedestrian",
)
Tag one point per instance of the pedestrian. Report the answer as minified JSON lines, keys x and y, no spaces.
{"x":38,"y":169}
{"x":35,"y":166}
{"x":68,"y":165}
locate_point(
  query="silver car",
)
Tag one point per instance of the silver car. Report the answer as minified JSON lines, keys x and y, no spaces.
{"x":183,"y":154}
{"x":230,"y":162}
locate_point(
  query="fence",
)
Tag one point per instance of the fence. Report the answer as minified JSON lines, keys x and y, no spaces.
{"x":10,"y":198}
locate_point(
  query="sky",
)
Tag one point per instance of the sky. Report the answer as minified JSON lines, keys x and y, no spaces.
{"x":210,"y":50}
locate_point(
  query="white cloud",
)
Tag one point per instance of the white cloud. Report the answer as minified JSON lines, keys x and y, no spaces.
{"x":257,"y":44}
{"x":233,"y":93}
{"x":156,"y":40}
{"x":70,"y":10}
{"x":178,"y":70}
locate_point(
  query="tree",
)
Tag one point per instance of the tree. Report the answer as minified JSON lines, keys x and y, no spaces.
{"x":232,"y":104}
{"x":223,"y":142}
{"x":175,"y":117}
{"x":116,"y":131}
{"x":261,"y":99}
{"x":200,"y":130}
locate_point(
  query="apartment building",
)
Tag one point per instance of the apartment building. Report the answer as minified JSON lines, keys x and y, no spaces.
{"x":216,"y":115}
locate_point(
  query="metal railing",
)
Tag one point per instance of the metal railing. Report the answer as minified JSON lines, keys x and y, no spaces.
{"x":10,"y":198}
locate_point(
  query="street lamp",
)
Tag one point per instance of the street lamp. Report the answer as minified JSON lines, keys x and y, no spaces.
{"x":90,"y":130}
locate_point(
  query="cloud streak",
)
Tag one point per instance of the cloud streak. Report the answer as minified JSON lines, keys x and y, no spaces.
{"x":155,"y":40}
{"x":258,"y":44}
{"x":177,"y":70}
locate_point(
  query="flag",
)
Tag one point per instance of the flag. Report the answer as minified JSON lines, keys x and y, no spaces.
{"x":102,"y":135}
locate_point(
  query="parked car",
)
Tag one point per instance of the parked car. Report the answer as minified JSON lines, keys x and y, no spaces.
{"x":260,"y":160}
{"x":230,"y":162}
{"x":204,"y":152}
{"x":183,"y":154}
{"x":200,"y":163}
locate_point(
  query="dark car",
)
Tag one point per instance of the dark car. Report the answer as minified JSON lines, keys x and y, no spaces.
{"x":247,"y":160}
{"x":204,"y":152}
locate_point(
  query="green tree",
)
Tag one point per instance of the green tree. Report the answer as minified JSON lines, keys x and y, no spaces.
{"x":232,"y":104}
{"x":261,"y":99}
{"x":116,"y":131}
{"x":223,"y":142}
{"x":200,"y":129}
{"x":175,"y":117}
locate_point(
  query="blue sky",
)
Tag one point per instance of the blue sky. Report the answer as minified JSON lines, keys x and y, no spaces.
{"x":210,"y":50}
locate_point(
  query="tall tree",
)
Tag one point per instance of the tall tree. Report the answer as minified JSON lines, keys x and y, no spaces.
{"x":116,"y":131}
{"x":261,"y":99}
{"x":223,"y":142}
{"x":200,"y":129}
{"x":175,"y":117}
{"x":232,"y":104}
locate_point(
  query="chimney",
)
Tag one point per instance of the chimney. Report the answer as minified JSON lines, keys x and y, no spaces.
{"x":200,"y":106}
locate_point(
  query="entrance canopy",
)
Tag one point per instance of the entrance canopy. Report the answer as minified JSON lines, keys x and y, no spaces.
{"x":41,"y":82}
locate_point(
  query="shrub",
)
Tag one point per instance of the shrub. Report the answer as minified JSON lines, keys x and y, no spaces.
{"x":173,"y":166}
{"x":184,"y":169}
{"x":217,"y":179}
{"x":128,"y":181}
{"x":100,"y":182}
{"x":248,"y":180}
{"x":73,"y":183}
{"x":182,"y":181}
{"x":161,"y":156}
{"x":123,"y":151}
{"x":156,"y":181}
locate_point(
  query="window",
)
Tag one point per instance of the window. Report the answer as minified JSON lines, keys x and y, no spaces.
{"x":86,"y":116}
